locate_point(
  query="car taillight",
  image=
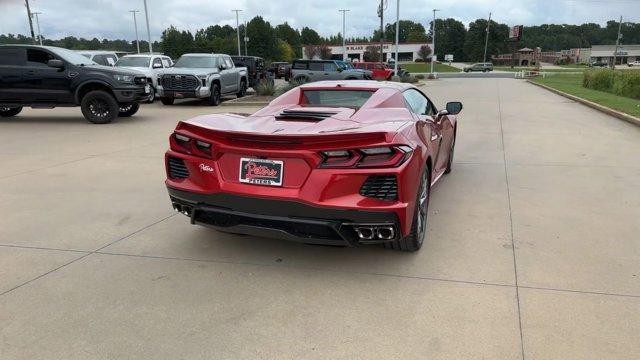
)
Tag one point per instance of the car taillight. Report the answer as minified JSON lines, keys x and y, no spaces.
{"x":187,"y":145}
{"x":376,"y":157}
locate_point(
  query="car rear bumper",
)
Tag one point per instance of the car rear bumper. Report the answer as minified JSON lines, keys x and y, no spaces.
{"x":286,"y":219}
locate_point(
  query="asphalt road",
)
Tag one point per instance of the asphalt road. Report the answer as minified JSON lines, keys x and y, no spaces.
{"x":533,"y":248}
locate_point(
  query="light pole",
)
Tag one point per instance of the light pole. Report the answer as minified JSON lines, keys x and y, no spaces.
{"x":38,"y":26}
{"x":146,"y":15}
{"x":238,"y":30}
{"x":135,"y":24}
{"x":344,"y":38}
{"x":433,"y":39}
{"x":395,"y":63}
{"x":615,"y":53}
{"x":33,"y":36}
{"x":486,"y":40}
{"x":381,"y":15}
{"x":246,"y":39}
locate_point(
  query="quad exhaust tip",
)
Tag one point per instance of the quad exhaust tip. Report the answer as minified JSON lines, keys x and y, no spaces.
{"x":375,"y":232}
{"x":184,"y":209}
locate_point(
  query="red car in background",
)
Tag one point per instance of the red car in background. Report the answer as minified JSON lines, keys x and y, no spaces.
{"x":330,"y":162}
{"x":380,"y":70}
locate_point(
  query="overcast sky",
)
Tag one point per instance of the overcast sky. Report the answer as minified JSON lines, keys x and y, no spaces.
{"x":111,"y":19}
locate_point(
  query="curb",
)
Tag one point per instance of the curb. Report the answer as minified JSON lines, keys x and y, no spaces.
{"x":609,"y":111}
{"x":245,"y":101}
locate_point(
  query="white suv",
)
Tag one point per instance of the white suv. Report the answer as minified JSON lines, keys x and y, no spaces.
{"x":150,"y":65}
{"x":635,"y":63}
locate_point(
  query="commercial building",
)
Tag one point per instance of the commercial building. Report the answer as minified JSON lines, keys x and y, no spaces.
{"x":356,"y":51}
{"x":605,"y":53}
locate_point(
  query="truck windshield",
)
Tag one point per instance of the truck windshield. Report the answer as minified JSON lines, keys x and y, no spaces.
{"x":196,"y":62}
{"x":338,"y":98}
{"x":134,"y":61}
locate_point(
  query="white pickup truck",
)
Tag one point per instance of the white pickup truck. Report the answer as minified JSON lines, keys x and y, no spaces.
{"x":202,"y":76}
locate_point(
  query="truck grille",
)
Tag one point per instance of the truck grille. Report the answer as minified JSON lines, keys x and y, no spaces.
{"x":383,"y":187}
{"x":180,"y":82}
{"x":177,"y":168}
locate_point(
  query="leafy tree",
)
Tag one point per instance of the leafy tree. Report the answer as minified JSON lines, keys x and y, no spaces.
{"x":309,"y":36}
{"x":410,"y":31}
{"x":324,"y":51}
{"x":285,"y":51}
{"x":262,"y":38}
{"x":475,"y":39}
{"x":372,"y":53}
{"x":291,"y":36}
{"x":450,"y":35}
{"x":424,"y":52}
{"x":311,"y":51}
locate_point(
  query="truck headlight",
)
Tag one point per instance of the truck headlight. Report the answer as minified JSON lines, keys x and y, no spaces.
{"x":124,"y":78}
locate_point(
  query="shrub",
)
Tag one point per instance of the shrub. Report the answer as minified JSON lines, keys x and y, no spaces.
{"x":408,"y":79}
{"x":601,"y":80}
{"x":288,"y":86}
{"x":265,"y":88}
{"x":622,"y":83}
{"x":419,"y":76}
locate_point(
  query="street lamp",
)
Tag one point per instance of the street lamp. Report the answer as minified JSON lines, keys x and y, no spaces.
{"x":33,"y":36}
{"x":344,"y":47}
{"x":395,"y":63}
{"x":238,"y":30}
{"x":146,"y":15}
{"x":433,"y":39}
{"x":135,"y":24}
{"x":38,"y":25}
{"x":486,"y":40}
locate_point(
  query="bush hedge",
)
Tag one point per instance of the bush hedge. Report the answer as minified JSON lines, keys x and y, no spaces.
{"x":621,"y":82}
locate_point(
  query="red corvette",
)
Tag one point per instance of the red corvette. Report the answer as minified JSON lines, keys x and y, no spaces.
{"x":333,"y":162}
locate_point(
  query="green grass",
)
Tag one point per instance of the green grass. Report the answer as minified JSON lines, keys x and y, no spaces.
{"x":525,"y":68}
{"x":425,"y":68}
{"x":572,"y":84}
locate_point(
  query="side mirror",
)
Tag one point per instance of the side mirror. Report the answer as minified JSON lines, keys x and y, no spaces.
{"x":454,"y":107}
{"x":55,"y":63}
{"x":157,"y":66}
{"x":340,"y":69}
{"x":222,"y":67}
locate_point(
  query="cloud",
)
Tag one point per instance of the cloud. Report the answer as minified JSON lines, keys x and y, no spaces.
{"x":111,"y":19}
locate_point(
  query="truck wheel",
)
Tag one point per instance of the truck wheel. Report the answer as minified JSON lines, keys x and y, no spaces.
{"x":99,"y":107}
{"x":214,"y":99}
{"x":243,"y":89}
{"x":127,"y":110}
{"x":10,"y":111}
{"x":167,"y":101}
{"x":152,"y":96}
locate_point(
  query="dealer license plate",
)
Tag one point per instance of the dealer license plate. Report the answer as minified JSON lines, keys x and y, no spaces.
{"x":261,"y":171}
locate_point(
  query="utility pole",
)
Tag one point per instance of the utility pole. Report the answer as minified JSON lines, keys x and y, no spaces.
{"x":33,"y":36}
{"x":433,"y":39}
{"x":146,"y":14}
{"x":615,"y":53}
{"x":395,"y":63}
{"x":38,"y":25}
{"x":344,"y":37}
{"x":135,"y":24}
{"x":238,"y":30}
{"x":381,"y":15}
{"x":246,"y":39}
{"x":486,"y":40}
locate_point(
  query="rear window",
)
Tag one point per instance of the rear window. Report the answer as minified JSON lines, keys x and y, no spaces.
{"x":337,"y":98}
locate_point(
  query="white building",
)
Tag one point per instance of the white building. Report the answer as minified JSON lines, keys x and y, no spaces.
{"x":626,"y":53}
{"x":406,"y":51}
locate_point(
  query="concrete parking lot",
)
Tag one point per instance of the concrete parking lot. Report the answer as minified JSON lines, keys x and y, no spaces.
{"x":533,"y":248}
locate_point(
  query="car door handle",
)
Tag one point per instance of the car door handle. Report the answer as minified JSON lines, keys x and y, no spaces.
{"x":30,"y":72}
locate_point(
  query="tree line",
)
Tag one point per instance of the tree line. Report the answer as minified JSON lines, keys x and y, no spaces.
{"x":284,"y":43}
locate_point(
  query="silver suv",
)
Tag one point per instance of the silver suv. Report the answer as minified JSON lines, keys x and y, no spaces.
{"x":304,"y":71}
{"x":484,"y":67}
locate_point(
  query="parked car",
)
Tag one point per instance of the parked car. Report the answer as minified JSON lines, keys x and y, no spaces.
{"x":598,"y":64}
{"x":303,"y":71}
{"x":256,"y":69}
{"x":149,"y":65}
{"x":280,"y":70}
{"x":47,"y":77}
{"x":101,"y":57}
{"x":202,"y":76}
{"x":634,"y":63}
{"x":484,"y":67}
{"x":327,"y":163}
{"x":379,"y":71}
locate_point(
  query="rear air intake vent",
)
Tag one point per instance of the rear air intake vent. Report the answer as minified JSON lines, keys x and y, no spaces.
{"x":304,"y":115}
{"x":177,"y":168}
{"x":383,"y":187}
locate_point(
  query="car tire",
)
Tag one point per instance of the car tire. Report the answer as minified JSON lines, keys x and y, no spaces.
{"x":301,"y":80}
{"x":451,"y":152}
{"x":152,"y":96}
{"x":415,"y":239}
{"x":243,"y":89}
{"x":126,"y":110}
{"x":99,"y":107}
{"x":214,"y":99}
{"x":10,"y":111}
{"x":167,"y":100}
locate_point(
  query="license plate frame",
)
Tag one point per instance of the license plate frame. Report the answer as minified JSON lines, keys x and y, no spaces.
{"x":261,"y":171}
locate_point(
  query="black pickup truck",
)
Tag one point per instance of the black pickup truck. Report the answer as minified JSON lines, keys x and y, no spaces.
{"x":256,"y":70}
{"x":48,"y":77}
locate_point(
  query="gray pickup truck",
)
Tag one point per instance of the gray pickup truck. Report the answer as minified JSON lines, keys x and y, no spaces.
{"x":303,"y":71}
{"x":202,"y":76}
